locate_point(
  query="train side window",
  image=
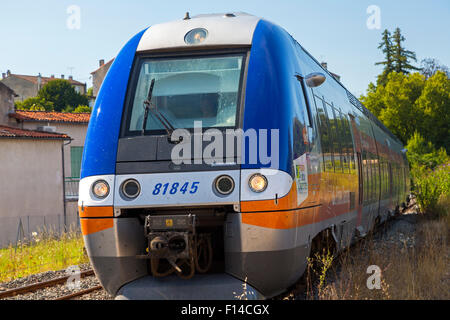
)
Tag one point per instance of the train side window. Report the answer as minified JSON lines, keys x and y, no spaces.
{"x":339,"y":138}
{"x":386,"y":174}
{"x":375,"y":176}
{"x":370,"y":177}
{"x":350,"y":146}
{"x":332,"y":138}
{"x":344,"y":143}
{"x":305,"y":95}
{"x":384,"y":183}
{"x":324,"y":134}
{"x":400,"y":176}
{"x":365,"y":176}
{"x":385,"y":178}
{"x":386,"y":164}
{"x":395,"y":180}
{"x":337,"y":151}
{"x":381,"y":177}
{"x":349,"y":141}
{"x":388,"y":179}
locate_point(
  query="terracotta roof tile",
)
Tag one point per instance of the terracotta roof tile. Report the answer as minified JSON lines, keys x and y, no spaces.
{"x":51,"y":116}
{"x":10,"y":132}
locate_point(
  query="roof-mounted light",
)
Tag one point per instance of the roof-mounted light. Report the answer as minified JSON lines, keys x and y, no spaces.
{"x":196,"y":36}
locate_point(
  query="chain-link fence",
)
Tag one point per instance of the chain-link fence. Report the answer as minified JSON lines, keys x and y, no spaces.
{"x":20,"y":229}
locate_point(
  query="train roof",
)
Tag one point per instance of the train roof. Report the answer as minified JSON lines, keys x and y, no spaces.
{"x":235,"y":28}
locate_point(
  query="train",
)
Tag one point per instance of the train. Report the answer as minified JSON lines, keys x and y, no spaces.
{"x":220,"y":155}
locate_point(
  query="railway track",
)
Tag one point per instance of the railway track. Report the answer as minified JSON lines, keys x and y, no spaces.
{"x":51,"y":283}
{"x":79,"y":293}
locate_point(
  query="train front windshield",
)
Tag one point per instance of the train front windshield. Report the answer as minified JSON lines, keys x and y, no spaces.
{"x":185,"y":90}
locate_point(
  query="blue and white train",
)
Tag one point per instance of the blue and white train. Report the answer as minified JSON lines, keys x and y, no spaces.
{"x":208,"y":225}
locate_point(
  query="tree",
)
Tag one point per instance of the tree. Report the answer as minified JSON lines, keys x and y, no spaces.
{"x":396,"y":57}
{"x":63,"y":96}
{"x":399,"y":111}
{"x":386,"y":47}
{"x":430,"y":66}
{"x":400,"y":56}
{"x":434,"y":102}
{"x":374,"y":98}
{"x":409,"y":103}
{"x":35,"y":104}
{"x":394,"y":103}
{"x":81,"y":109}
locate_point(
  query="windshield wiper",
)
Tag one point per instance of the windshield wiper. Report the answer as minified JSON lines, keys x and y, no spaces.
{"x":148,"y":106}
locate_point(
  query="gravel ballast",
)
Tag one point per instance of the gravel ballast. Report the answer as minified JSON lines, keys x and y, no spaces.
{"x":56,"y":291}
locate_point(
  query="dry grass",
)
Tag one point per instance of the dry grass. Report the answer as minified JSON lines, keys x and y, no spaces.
{"x":409,"y":272}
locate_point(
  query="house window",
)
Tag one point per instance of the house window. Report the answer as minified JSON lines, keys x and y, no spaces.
{"x":76,"y":154}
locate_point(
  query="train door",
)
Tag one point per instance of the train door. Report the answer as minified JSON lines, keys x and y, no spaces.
{"x":359,"y":205}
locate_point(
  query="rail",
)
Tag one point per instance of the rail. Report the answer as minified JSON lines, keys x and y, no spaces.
{"x":41,"y":285}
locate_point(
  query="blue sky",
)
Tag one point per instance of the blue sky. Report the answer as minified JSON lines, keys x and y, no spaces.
{"x":34,"y":37}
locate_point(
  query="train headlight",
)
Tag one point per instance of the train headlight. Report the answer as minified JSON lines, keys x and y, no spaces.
{"x":131,"y":188}
{"x":100,"y":189}
{"x":257,"y":182}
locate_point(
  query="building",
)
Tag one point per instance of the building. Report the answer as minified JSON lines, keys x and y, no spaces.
{"x":7,"y":96}
{"x":28,"y":86}
{"x":98,"y":76}
{"x":72,"y":124}
{"x":40,"y":162}
{"x":31,"y":184}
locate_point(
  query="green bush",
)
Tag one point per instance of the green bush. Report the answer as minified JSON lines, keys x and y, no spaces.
{"x":63,"y":96}
{"x":35,"y":104}
{"x":430,"y":171}
{"x":422,"y":153}
{"x":432,"y":189}
{"x":81,"y":108}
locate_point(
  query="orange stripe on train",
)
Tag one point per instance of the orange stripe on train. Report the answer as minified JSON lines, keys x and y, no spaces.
{"x":92,"y":225}
{"x":95,"y":212}
{"x":292,"y":219}
{"x":89,"y":226}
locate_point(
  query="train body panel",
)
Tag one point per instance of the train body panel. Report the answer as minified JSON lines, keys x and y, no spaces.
{"x":304,"y":161}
